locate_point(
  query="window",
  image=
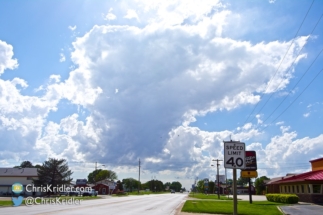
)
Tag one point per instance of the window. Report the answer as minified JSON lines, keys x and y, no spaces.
{"x":293,"y":189}
{"x":316,"y":188}
{"x":302,"y":187}
{"x":297,"y":188}
{"x":308,"y":188}
{"x":289,"y":189}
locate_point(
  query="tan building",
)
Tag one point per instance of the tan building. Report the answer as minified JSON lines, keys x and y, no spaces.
{"x":9,"y":176}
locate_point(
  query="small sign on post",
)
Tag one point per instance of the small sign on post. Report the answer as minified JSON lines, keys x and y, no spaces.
{"x":251,"y":160}
{"x":249,"y":174}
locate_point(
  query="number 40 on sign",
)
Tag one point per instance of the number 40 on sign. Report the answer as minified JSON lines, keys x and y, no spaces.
{"x":234,"y":155}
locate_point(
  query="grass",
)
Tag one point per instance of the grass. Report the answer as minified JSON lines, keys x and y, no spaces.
{"x":4,"y":203}
{"x":226,"y":207}
{"x":209,"y":196}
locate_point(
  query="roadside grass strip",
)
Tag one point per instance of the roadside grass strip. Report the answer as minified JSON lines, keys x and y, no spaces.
{"x":4,"y":203}
{"x":226,"y":207}
{"x":210,"y":196}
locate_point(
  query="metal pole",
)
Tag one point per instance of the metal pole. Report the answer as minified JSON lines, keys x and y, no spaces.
{"x":226,"y":182}
{"x":235,"y":211}
{"x":139,"y":178}
{"x":217,"y":165}
{"x":218,"y":181}
{"x":250,"y":195}
{"x":95,"y":174}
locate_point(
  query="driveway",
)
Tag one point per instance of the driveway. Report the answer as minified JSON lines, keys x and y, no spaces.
{"x":301,"y":209}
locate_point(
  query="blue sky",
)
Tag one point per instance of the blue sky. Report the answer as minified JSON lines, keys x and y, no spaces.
{"x":163,"y":81}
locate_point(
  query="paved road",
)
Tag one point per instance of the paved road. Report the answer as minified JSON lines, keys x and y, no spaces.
{"x":161,"y":204}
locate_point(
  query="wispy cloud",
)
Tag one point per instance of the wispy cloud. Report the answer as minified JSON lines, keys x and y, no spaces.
{"x":131,"y":14}
{"x":62,"y":57}
{"x":72,"y":28}
{"x":110,"y":15}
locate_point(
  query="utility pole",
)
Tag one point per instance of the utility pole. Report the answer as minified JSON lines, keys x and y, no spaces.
{"x":139,"y":178}
{"x":217,"y":176}
{"x":96,"y":166}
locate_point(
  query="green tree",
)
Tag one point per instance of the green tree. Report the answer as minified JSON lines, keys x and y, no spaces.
{"x":230,"y":182}
{"x":200,"y":186}
{"x":106,"y":174}
{"x":53,"y":172}
{"x":260,"y":185}
{"x":242,"y":181}
{"x":37,"y":166}
{"x":167,"y":185}
{"x":91,"y":176}
{"x":175,"y":185}
{"x":130,"y":183}
{"x":212,"y":187}
{"x":25,"y":164}
{"x":154,"y":185}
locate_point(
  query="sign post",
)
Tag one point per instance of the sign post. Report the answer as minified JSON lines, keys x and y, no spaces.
{"x":234,"y":158}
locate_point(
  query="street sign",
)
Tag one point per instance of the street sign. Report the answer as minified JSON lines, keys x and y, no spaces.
{"x":206,"y":184}
{"x":251,"y":160}
{"x":234,"y":155}
{"x":249,"y":174}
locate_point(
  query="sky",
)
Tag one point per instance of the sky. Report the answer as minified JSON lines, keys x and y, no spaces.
{"x":106,"y":83}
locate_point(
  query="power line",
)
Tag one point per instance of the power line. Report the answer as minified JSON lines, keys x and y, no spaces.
{"x":300,"y":78}
{"x":292,"y":88}
{"x":298,"y":95}
{"x":294,"y":99}
{"x":281,"y":61}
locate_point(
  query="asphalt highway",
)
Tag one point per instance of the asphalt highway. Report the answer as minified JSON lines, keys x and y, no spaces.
{"x":161,"y":204}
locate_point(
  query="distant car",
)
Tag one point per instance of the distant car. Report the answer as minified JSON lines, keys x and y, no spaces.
{"x":90,"y":193}
{"x":74,"y":193}
{"x":181,"y":191}
{"x":172,"y":191}
{"x":63,"y":193}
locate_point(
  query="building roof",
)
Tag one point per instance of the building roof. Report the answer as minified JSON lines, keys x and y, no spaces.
{"x":273,"y":180}
{"x":319,"y":159}
{"x":16,"y":172}
{"x":106,"y":181}
{"x":307,"y":176}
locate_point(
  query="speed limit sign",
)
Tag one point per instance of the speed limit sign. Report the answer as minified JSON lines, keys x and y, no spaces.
{"x":234,"y":155}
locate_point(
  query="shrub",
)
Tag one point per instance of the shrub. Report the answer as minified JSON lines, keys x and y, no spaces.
{"x":282,"y":198}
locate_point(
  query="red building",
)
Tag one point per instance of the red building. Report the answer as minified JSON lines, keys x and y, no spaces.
{"x":307,"y":186}
{"x":105,"y":187}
